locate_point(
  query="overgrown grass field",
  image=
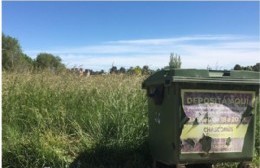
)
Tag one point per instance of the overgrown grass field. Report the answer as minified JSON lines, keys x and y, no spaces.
{"x":67,"y":121}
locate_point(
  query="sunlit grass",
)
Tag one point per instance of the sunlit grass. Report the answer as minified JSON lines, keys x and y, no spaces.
{"x":49,"y":119}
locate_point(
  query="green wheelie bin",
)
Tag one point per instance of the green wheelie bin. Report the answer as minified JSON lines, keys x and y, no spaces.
{"x":201,"y":117}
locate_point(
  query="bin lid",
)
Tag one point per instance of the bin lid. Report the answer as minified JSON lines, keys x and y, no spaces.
{"x":166,"y":76}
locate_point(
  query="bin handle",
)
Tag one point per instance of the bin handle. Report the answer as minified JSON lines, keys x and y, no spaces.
{"x":157,"y":95}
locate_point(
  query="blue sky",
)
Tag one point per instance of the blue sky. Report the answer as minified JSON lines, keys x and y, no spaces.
{"x":98,"y":34}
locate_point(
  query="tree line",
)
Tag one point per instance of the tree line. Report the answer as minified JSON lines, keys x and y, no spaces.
{"x":137,"y":70}
{"x":13,"y":59}
{"x":255,"y":67}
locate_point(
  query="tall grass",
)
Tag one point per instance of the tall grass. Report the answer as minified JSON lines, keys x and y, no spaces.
{"x":48,"y":120}
{"x":65,"y":121}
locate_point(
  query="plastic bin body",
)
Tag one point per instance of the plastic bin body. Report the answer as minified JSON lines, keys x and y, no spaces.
{"x":201,"y":116}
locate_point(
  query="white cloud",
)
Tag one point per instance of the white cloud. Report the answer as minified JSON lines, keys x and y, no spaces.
{"x":178,"y":39}
{"x":198,"y":51}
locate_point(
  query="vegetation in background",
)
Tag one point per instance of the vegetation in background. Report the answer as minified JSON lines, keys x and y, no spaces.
{"x":132,"y":70}
{"x":13,"y":59}
{"x":175,"y":61}
{"x":256,"y":67}
{"x":49,"y":61}
{"x":12,"y":55}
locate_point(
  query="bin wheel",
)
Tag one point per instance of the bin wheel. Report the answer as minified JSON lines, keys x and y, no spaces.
{"x":244,"y":165}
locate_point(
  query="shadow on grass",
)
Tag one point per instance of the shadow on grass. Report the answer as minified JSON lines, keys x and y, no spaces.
{"x":114,"y":157}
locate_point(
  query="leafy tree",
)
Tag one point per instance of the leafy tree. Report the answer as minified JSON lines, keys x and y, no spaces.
{"x":12,"y":56}
{"x":175,"y":61}
{"x":27,"y":59}
{"x":122,"y":70}
{"x":130,"y":71}
{"x":113,"y":69}
{"x":146,"y":70}
{"x":256,"y":67}
{"x":25,"y":63}
{"x":137,"y":70}
{"x":14,"y":59}
{"x":237,"y":67}
{"x":101,"y":72}
{"x":49,"y":61}
{"x":11,"y":52}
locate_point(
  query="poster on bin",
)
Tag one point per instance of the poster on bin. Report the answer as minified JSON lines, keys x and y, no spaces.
{"x":216,"y":120}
